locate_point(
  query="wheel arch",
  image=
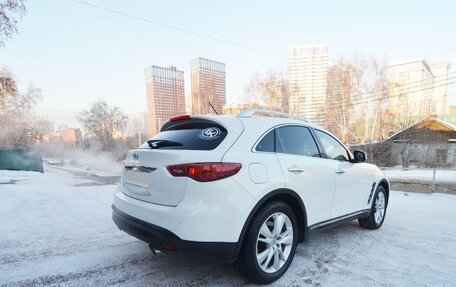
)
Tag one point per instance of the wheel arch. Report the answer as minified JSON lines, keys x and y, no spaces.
{"x":283,"y":194}
{"x":385,"y":185}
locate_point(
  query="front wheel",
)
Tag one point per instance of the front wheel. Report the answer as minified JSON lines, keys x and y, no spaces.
{"x":378,"y":210}
{"x":270,"y":243}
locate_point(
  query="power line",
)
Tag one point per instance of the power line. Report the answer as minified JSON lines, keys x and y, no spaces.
{"x":441,"y":52}
{"x":378,"y":98}
{"x":55,"y":110}
{"x":407,"y":88}
{"x":403,"y":87}
{"x":373,"y":94}
{"x":176,"y":28}
{"x":384,"y":98}
{"x":423,"y":80}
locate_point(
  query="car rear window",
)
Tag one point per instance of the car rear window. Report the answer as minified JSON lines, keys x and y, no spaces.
{"x":190,"y":137}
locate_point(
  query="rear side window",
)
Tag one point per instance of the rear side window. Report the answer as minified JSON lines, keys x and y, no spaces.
{"x":296,"y":140}
{"x":189,"y":137}
{"x":266,"y":144}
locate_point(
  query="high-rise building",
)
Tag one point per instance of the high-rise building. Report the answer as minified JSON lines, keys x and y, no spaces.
{"x":68,"y":137}
{"x":441,"y":72}
{"x":417,"y":89}
{"x":136,"y":123}
{"x":208,"y":85}
{"x":165,"y":93}
{"x":275,"y":93}
{"x":307,"y":75}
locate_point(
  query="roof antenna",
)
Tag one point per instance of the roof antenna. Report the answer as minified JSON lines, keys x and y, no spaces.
{"x":215,"y":111}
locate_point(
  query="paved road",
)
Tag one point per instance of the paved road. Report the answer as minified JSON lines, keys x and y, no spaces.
{"x":56,"y":232}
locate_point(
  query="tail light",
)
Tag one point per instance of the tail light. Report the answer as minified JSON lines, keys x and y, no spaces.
{"x":205,"y":172}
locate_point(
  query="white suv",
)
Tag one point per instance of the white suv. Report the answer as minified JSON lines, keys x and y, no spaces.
{"x":244,"y":189}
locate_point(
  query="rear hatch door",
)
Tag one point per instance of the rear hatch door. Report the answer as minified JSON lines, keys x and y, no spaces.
{"x":202,"y":139}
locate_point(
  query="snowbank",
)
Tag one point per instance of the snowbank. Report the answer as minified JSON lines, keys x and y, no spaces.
{"x":420,"y":174}
{"x":54,"y":232}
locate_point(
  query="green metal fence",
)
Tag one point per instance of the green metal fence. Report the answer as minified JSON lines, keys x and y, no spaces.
{"x":18,"y":159}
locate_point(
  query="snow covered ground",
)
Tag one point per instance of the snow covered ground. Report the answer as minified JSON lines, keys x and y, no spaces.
{"x":420,"y":174}
{"x":55,"y":229}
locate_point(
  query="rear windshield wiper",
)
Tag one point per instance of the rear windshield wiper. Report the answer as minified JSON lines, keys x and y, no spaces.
{"x":162,"y":143}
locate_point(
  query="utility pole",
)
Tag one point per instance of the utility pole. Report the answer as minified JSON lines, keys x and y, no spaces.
{"x":139,"y":137}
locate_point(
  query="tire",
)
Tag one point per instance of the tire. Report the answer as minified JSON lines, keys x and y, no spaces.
{"x":263,"y":242}
{"x":378,"y":210}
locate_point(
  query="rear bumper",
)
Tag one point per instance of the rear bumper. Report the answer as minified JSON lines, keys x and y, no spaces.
{"x":161,"y":238}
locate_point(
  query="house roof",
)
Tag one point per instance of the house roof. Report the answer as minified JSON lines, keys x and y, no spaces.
{"x":431,"y":122}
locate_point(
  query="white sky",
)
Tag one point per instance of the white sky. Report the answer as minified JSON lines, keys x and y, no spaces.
{"x":78,"y":54}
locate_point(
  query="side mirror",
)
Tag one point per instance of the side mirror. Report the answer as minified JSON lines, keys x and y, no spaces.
{"x":359,"y":156}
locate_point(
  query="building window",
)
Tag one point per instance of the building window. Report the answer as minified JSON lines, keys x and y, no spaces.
{"x":440,"y":157}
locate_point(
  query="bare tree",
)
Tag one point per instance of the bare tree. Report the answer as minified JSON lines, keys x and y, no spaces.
{"x":371,"y":94}
{"x":19,"y":125}
{"x":101,"y":122}
{"x":270,"y":90}
{"x":253,"y":91}
{"x":339,"y":112}
{"x":275,"y":91}
{"x":10,"y":11}
{"x":399,"y":110}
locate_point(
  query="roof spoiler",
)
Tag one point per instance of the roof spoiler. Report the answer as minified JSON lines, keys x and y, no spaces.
{"x":186,"y":119}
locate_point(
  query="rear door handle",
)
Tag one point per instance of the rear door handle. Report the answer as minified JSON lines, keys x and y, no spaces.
{"x":295,"y":169}
{"x":339,"y":170}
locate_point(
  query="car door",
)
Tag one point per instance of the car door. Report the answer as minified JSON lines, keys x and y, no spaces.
{"x":305,"y":172}
{"x":353,"y":183}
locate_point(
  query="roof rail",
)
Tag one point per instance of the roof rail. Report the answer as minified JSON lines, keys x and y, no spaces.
{"x":251,"y":112}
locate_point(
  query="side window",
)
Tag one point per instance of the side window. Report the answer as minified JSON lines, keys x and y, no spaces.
{"x":296,"y":140}
{"x":267,"y":143}
{"x":334,"y":150}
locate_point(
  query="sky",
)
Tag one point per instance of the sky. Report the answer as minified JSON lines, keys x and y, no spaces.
{"x":78,"y":54}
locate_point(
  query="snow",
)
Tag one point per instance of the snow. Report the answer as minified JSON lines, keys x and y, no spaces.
{"x":420,"y":174}
{"x":100,"y":165}
{"x":55,"y":231}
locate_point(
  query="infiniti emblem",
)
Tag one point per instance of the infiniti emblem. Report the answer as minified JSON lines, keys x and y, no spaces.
{"x":210,"y":133}
{"x":135,"y":156}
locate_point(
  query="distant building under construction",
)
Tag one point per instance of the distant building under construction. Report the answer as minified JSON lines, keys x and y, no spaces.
{"x":307,"y":75}
{"x":165,"y":95}
{"x":418,"y":88}
{"x":68,"y":137}
{"x":208,"y":85}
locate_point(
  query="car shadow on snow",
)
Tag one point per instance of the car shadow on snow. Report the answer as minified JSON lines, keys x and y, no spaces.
{"x":169,"y":269}
{"x":313,"y":261}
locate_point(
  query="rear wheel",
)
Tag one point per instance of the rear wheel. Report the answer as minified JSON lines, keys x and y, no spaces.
{"x":270,"y":243}
{"x":378,"y":210}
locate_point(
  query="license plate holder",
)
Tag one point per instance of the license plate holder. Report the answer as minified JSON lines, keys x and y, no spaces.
{"x":138,"y":178}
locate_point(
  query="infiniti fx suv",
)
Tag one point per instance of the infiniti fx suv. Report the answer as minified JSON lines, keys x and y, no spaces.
{"x":244,"y":189}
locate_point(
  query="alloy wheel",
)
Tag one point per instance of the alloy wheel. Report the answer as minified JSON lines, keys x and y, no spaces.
{"x":380,"y":204}
{"x":274,"y":242}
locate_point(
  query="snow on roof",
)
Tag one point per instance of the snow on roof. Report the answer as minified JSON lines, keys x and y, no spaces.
{"x":427,"y":119}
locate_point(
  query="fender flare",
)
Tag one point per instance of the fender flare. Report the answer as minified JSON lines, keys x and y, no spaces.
{"x":386,"y":183}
